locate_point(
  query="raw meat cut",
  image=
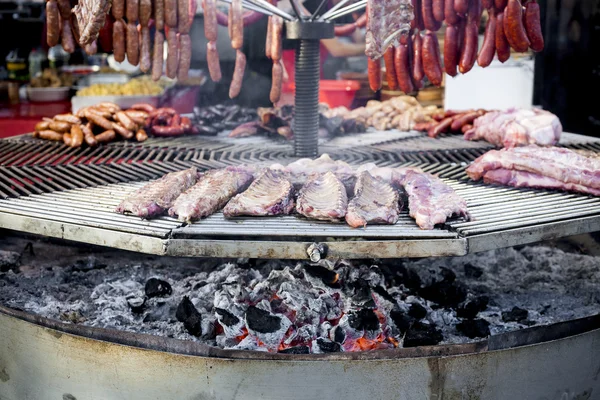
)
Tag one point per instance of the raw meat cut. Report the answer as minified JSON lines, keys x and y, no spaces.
{"x":323,"y":197}
{"x":374,"y":202}
{"x":386,"y":20}
{"x":526,"y":179}
{"x":157,"y":196}
{"x":516,"y":127}
{"x":210,"y":193}
{"x":430,"y":200}
{"x":270,"y":194}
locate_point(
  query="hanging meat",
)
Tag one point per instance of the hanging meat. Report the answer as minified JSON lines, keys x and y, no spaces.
{"x":90,"y":16}
{"x":386,"y":20}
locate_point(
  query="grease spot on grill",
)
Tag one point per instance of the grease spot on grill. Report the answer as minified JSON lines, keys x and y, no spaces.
{"x":4,"y":377}
{"x":261,"y":321}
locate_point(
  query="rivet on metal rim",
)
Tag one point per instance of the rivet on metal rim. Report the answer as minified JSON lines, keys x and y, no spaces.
{"x":316,"y":251}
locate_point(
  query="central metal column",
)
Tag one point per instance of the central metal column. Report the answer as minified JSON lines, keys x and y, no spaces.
{"x":308,"y":66}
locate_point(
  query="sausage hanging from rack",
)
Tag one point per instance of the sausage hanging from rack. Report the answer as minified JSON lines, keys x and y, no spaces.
{"x":52,"y":23}
{"x":275,"y":43}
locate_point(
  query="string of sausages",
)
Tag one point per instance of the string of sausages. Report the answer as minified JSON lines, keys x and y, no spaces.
{"x":511,"y":24}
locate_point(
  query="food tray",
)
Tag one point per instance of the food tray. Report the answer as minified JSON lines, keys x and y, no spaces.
{"x":78,"y":102}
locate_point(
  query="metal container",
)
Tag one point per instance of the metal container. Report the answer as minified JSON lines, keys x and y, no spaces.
{"x":46,"y":359}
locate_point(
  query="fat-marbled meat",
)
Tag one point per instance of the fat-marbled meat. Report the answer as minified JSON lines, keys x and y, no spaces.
{"x":386,"y":20}
{"x":374,"y":202}
{"x":430,"y":200}
{"x":90,"y":16}
{"x":210,"y":193}
{"x":157,"y":196}
{"x":270,"y":194}
{"x":323,"y":197}
{"x":516,"y":127}
{"x":539,"y":167}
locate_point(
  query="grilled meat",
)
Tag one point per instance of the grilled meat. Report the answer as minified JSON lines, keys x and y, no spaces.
{"x":210,"y":193}
{"x":534,"y":166}
{"x":516,"y":127}
{"x":270,"y":194}
{"x":430,"y":200}
{"x":323,"y":197}
{"x":386,"y":20}
{"x":157,"y":196}
{"x":374,"y":202}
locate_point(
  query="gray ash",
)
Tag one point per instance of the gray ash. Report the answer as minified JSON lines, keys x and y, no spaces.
{"x":296,"y":307}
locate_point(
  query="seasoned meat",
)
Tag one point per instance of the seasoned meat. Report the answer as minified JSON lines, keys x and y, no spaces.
{"x":323,"y":197}
{"x":386,"y":20}
{"x":374,"y":202}
{"x":90,"y":16}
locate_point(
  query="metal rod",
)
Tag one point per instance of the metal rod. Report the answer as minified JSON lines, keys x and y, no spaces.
{"x":318,"y":10}
{"x":295,"y":8}
{"x":306,"y":120}
{"x":333,"y":9}
{"x":272,"y":8}
{"x":251,"y":7}
{"x":348,"y":10}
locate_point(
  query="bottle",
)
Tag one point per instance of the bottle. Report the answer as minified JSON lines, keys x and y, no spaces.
{"x":17,"y":67}
{"x":35,"y":63}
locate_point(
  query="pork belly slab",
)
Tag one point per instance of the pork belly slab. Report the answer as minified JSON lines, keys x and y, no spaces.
{"x":430,"y":200}
{"x":323,"y":197}
{"x":158,"y":196}
{"x":210,"y":193}
{"x":374,"y":202}
{"x":270,"y":194}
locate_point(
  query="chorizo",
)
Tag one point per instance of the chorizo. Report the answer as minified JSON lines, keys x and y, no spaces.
{"x":438,"y":10}
{"x":238,"y":74}
{"x":59,"y":126}
{"x":475,"y":11}
{"x":132,"y":10}
{"x":500,"y":5}
{"x":463,"y":119}
{"x":159,"y":14}
{"x":210,"y":20}
{"x":488,"y":48}
{"x":76,"y":136}
{"x":183,"y":18}
{"x":237,"y":28}
{"x":133,"y":44}
{"x":145,"y":12}
{"x":429,"y":20}
{"x":450,"y":15}
{"x":466,"y":127}
{"x":145,"y":52}
{"x":118,"y":9}
{"x":50,"y":135}
{"x":451,"y":49}
{"x":269,"y":39}
{"x":121,"y":130}
{"x":185,"y":57}
{"x":212,"y":59}
{"x":417,"y":21}
{"x":402,"y":67}
{"x":52,"y":23}
{"x":502,"y":45}
{"x":441,"y":127}
{"x":468,"y":54}
{"x":461,"y":6}
{"x":119,"y":40}
{"x":170,"y":10}
{"x":186,"y":123}
{"x":88,"y":135}
{"x":141,"y":135}
{"x":158,"y":54}
{"x":533,"y":25}
{"x":431,"y":59}
{"x":488,"y":4}
{"x":390,"y":68}
{"x":67,"y":39}
{"x":344,"y":30}
{"x":172,"y":56}
{"x":106,"y":136}
{"x":417,"y":59}
{"x":361,"y":22}
{"x":276,"y":37}
{"x":64,"y":8}
{"x":374,"y":72}
{"x":276,"y":82}
{"x":514,"y":28}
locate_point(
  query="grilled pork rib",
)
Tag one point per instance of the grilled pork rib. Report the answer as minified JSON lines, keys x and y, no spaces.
{"x":374,"y":202}
{"x":430,"y":200}
{"x":323,"y":197}
{"x":270,"y":194}
{"x":210,"y":193}
{"x":157,"y":196}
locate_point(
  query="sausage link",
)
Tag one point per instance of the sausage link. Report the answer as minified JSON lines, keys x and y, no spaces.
{"x":99,"y":111}
{"x":88,"y":135}
{"x":70,"y":118}
{"x":147,"y":108}
{"x":132,"y":10}
{"x":59,"y":126}
{"x":133,"y":44}
{"x":238,"y":74}
{"x":390,"y":68}
{"x":402,"y":67}
{"x":67,"y":39}
{"x":468,"y":54}
{"x":52,"y":23}
{"x":361,"y":22}
{"x":431,"y":59}
{"x":98,"y":119}
{"x":475,"y":11}
{"x":67,"y":139}
{"x":106,"y":136}
{"x":450,"y":15}
{"x":42,"y":126}
{"x":514,"y":28}
{"x":417,"y":59}
{"x":487,"y":4}
{"x":145,"y":52}
{"x":533,"y":25}
{"x":424,"y":126}
{"x":269,"y":38}
{"x":165,"y":131}
{"x":50,"y":135}
{"x":121,"y":130}
{"x":466,"y":118}
{"x":139,"y":117}
{"x":276,"y":37}
{"x":157,"y":56}
{"x":91,"y":48}
{"x":76,"y":136}
{"x":451,"y":49}
{"x":461,"y":6}
{"x":185,"y":57}
{"x":124,"y":120}
{"x":237,"y":29}
{"x":488,"y":48}
{"x":145,"y":12}
{"x":212,"y":58}
{"x":172,"y":56}
{"x":500,"y":5}
{"x":344,"y":30}
{"x":118,"y":9}
{"x":276,"y":82}
{"x":141,"y":135}
{"x":110,"y":106}
{"x":183,"y":18}
{"x":428,"y":19}
{"x":466,"y":127}
{"x":374,"y":71}
{"x":417,"y":21}
{"x":502,"y":45}
{"x":158,"y":13}
{"x":186,"y":123}
{"x":210,"y":20}
{"x":438,"y":10}
{"x":441,"y":127}
{"x":64,"y":8}
{"x":119,"y":40}
{"x":170,"y":13}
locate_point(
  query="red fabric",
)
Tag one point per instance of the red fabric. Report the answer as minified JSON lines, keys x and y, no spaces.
{"x":21,"y":118}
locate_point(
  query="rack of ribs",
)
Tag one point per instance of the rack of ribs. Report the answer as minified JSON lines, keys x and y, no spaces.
{"x":374,"y":202}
